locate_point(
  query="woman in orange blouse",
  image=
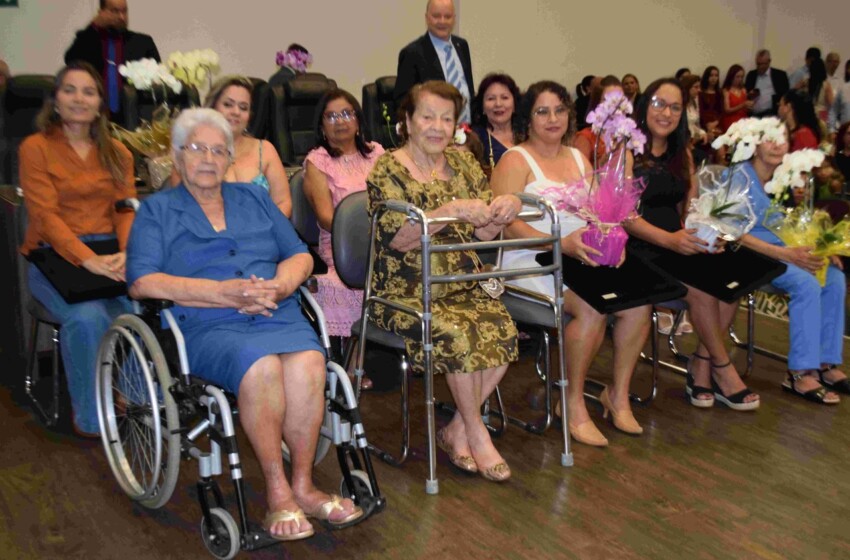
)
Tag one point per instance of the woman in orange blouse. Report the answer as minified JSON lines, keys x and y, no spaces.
{"x":72,"y":173}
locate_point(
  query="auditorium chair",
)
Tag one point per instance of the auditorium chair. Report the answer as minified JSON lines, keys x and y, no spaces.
{"x":294,"y":114}
{"x":378,"y":102}
{"x":139,"y":105}
{"x":25,"y":96}
{"x":258,"y":124}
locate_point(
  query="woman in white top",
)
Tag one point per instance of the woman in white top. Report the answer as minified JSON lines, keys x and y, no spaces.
{"x":536,"y":164}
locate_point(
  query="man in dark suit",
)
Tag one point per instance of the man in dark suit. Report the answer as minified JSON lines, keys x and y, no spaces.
{"x":437,"y":55}
{"x":770,"y":84}
{"x":106,"y":44}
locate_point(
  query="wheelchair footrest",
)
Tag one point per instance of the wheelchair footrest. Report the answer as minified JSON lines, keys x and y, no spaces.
{"x":257,"y":538}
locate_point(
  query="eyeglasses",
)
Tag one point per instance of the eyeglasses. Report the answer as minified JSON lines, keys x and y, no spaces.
{"x":659,"y":105}
{"x":200,"y":151}
{"x":344,"y":115}
{"x":561,"y":111}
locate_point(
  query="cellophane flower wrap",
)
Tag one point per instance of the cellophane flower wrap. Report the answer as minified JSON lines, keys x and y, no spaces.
{"x":804,"y":226}
{"x":152,"y":140}
{"x":723,"y":207}
{"x":610,"y":198}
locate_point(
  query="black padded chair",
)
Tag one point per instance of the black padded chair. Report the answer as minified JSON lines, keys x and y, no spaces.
{"x":378,"y":106}
{"x":354,"y":252}
{"x":304,"y":220}
{"x":139,"y":105}
{"x":259,"y":124}
{"x":294,"y":113}
{"x":25,"y":96}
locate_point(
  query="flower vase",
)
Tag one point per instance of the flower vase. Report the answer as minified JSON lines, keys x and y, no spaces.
{"x":159,"y":170}
{"x":707,"y":234}
{"x":610,"y":244}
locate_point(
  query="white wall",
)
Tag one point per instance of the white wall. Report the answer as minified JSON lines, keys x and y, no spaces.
{"x":355,"y":42}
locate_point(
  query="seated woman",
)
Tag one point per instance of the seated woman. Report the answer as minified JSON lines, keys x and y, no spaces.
{"x":538,"y":163}
{"x":797,"y":112}
{"x":231,"y":262}
{"x":72,"y":174}
{"x":658,"y":236}
{"x":254,"y":161}
{"x":736,"y":103}
{"x":815,"y":313}
{"x":631,"y":87}
{"x":585,"y":140}
{"x":494,"y":115}
{"x":332,"y":171}
{"x":474,"y":338}
{"x":841,"y":155}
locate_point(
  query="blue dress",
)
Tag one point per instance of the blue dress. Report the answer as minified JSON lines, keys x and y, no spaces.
{"x":172,"y":235}
{"x":489,"y":140}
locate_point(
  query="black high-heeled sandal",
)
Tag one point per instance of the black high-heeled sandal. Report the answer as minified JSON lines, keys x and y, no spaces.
{"x":735,"y":401}
{"x":693,"y":390}
{"x":817,"y":395}
{"x":840,"y":386}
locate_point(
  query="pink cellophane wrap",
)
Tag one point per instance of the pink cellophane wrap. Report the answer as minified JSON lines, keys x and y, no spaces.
{"x":606,"y":203}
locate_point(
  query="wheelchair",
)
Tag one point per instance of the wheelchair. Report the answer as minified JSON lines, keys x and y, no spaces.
{"x":150,"y":418}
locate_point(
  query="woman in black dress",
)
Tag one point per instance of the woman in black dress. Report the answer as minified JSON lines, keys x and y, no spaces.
{"x":658,"y":236}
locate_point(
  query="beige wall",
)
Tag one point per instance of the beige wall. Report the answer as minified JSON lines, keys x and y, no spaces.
{"x":355,"y":42}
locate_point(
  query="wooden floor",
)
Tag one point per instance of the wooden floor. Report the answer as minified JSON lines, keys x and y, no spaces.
{"x":698,"y":484}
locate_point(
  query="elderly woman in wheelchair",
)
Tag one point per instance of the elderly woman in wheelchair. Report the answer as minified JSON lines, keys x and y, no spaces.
{"x":231,"y":263}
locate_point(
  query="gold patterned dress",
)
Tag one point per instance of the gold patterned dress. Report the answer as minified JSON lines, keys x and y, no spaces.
{"x":470,"y":330}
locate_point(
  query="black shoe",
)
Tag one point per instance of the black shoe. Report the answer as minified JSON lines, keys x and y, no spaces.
{"x":695,"y":391}
{"x":840,"y":386}
{"x":736,"y":401}
{"x":818,"y":395}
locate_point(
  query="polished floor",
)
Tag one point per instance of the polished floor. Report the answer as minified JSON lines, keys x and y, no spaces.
{"x":698,"y":484}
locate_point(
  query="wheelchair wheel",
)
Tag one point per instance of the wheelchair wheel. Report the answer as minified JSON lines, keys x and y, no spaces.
{"x":220,"y":534}
{"x":362,"y":486}
{"x":139,"y":423}
{"x":324,"y":441}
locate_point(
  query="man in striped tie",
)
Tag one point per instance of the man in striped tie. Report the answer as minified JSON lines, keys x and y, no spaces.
{"x":437,"y":55}
{"x":106,"y":44}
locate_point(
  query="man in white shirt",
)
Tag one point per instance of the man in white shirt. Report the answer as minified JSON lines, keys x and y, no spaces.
{"x":839,"y":113}
{"x":771,"y":84}
{"x":833,"y":76}
{"x":800,"y":77}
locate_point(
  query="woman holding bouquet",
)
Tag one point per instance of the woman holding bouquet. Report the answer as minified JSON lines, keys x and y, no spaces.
{"x":815,"y":312}
{"x":539,"y":163}
{"x":667,"y":167}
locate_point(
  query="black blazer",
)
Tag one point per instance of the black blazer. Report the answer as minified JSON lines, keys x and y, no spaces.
{"x":88,"y":48}
{"x":418,"y":62}
{"x":780,"y":84}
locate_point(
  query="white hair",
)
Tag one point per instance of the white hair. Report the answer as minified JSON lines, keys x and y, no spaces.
{"x":190,"y":119}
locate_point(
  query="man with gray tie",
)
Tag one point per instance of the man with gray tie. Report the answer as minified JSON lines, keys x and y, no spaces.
{"x":437,"y":55}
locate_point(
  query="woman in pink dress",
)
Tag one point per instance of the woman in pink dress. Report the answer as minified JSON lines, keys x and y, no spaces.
{"x":337,"y":167}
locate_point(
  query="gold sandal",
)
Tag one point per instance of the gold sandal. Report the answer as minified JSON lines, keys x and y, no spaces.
{"x":285,"y":515}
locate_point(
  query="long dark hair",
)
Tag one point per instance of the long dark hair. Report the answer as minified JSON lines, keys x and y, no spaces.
{"x":840,"y":145}
{"x":530,"y":97}
{"x":319,"y":133}
{"x":730,"y":75}
{"x":706,"y":75}
{"x":817,"y":76}
{"x":478,"y":116}
{"x":48,"y":120}
{"x":804,"y":111}
{"x":678,"y":143}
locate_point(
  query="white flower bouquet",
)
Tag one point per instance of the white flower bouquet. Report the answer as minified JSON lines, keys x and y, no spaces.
{"x":723,"y":208}
{"x":193,"y":68}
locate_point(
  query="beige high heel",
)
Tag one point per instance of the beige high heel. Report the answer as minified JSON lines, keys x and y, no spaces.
{"x":624,"y":420}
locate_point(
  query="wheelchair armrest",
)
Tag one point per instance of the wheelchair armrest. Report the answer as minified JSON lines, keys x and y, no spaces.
{"x":154,"y":306}
{"x":312,"y":284}
{"x":128,"y":204}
